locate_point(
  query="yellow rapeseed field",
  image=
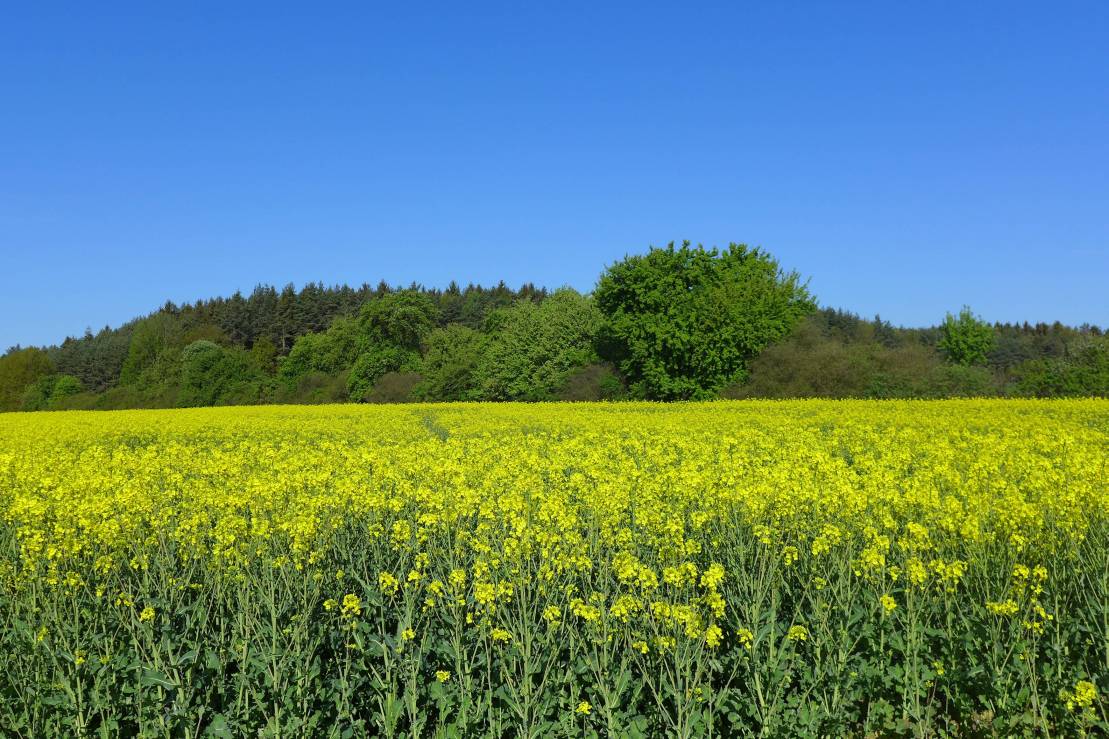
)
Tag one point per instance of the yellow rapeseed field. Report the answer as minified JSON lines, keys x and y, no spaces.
{"x":732,"y":568}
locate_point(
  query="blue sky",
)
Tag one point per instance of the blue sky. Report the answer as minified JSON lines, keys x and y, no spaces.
{"x":907,"y":158}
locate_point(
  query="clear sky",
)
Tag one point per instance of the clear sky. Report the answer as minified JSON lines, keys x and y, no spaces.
{"x":907,"y":157}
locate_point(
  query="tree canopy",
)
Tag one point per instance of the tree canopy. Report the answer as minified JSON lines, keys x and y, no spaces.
{"x":674,"y":323}
{"x":683,"y":322}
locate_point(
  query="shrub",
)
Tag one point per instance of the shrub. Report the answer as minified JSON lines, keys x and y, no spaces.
{"x":315,"y":387}
{"x":213,"y":375}
{"x":1084,"y":372}
{"x":372,"y":365}
{"x":394,"y":387}
{"x":593,"y":382}
{"x":49,"y":391}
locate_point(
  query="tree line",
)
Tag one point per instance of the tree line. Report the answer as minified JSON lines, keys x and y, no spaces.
{"x":679,"y":322}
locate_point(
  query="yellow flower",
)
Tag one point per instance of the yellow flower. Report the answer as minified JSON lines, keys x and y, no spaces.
{"x":408,"y":634}
{"x":713,"y":636}
{"x":147,"y":614}
{"x":552,"y":615}
{"x":352,"y":605}
{"x":387,"y":583}
{"x":797,"y":633}
{"x":1083,"y":696}
{"x":1085,"y":693}
{"x":889,"y":605}
{"x":1003,"y":608}
{"x":584,"y":708}
{"x":745,"y":637}
{"x":442,"y":676}
{"x":713,"y":576}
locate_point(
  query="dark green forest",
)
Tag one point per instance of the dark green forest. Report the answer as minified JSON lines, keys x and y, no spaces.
{"x":677,"y":323}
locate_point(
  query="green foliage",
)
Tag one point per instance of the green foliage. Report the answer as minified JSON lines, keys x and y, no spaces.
{"x":18,"y":369}
{"x":809,"y":364}
{"x":330,"y":352}
{"x":1083,"y":372}
{"x":395,"y":387}
{"x":534,"y":348}
{"x":49,"y":391}
{"x":263,"y":355}
{"x":593,"y":382}
{"x":684,"y":322}
{"x":151,"y":336}
{"x":206,"y":332}
{"x":961,"y":381}
{"x":400,"y":319}
{"x":314,"y":388}
{"x":827,"y":357}
{"x":214,"y":375}
{"x":37,"y":395}
{"x":675,"y":323}
{"x":966,"y":339}
{"x":452,"y":356}
{"x":95,"y":359}
{"x":372,"y":365}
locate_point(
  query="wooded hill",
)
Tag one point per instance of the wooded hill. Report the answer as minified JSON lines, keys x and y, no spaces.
{"x":680,"y":322}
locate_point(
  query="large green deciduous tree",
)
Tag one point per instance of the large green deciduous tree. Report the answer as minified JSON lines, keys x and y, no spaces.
{"x":683,"y":322}
{"x":392,"y":328}
{"x":966,"y":338}
{"x":19,"y":368}
{"x":534,"y":348}
{"x":216,"y":375}
{"x":372,"y":365}
{"x":452,"y":356}
{"x":400,"y":319}
{"x":48,"y":390}
{"x":152,"y":335}
{"x":328,"y":352}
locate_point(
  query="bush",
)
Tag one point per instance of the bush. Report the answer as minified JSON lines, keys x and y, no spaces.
{"x":130,"y":396}
{"x":592,"y":383}
{"x":820,"y":361}
{"x":150,"y":338}
{"x":962,"y":381}
{"x":373,"y":365}
{"x":49,"y":391}
{"x":394,"y":387}
{"x":314,"y":388}
{"x":213,"y":375}
{"x":400,"y":319}
{"x":330,"y":352}
{"x":1084,"y":372}
{"x":807,"y":365}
